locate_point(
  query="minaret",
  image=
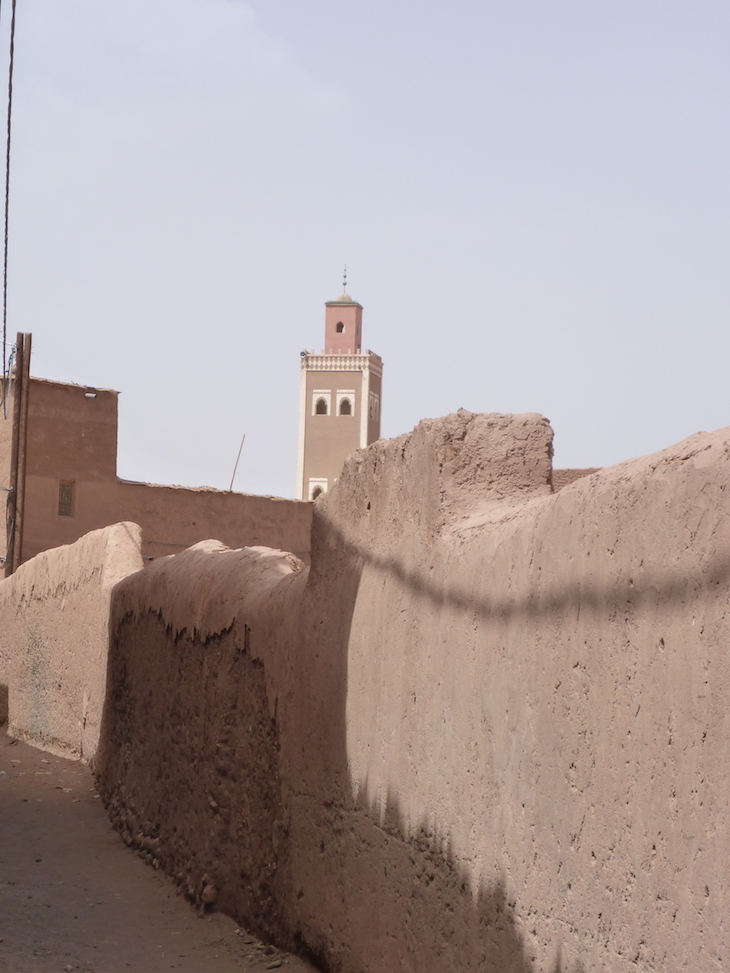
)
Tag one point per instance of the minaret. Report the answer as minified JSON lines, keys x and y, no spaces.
{"x":339,"y":398}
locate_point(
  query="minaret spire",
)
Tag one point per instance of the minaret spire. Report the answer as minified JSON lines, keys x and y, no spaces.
{"x":344,"y":281}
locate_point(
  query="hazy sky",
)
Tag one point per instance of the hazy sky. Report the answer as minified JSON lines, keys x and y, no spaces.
{"x":531,"y":196}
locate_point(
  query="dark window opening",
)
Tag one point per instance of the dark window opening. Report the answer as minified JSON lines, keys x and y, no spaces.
{"x":65,"y":499}
{"x":317,"y":492}
{"x":340,"y":329}
{"x":321,"y":407}
{"x":345,"y":407}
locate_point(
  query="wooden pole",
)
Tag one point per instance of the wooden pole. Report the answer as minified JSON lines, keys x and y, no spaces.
{"x":22,"y":454}
{"x":14,"y":440}
{"x":18,"y":455}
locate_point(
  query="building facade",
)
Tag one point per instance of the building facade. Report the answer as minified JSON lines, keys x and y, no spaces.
{"x":71,"y":487}
{"x":339,"y":399}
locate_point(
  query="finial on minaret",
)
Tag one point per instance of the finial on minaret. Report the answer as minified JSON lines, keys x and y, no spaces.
{"x":344,"y":281}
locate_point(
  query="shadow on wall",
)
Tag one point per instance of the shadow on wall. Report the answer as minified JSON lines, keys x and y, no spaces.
{"x":442,"y":924}
{"x":191,"y":780}
{"x":669,"y":586}
{"x":213,"y":778}
{"x":189,"y":774}
{"x":414,"y":892}
{"x":401,"y":898}
{"x":3,"y":704}
{"x":208,"y":781}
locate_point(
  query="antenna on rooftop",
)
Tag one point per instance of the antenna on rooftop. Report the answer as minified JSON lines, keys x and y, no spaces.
{"x":236,"y":466}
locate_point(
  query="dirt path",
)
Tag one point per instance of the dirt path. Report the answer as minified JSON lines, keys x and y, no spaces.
{"x":73,"y":897}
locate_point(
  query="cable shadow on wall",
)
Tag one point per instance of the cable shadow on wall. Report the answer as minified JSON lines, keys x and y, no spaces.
{"x":425,"y":892}
{"x":181,"y":732}
{"x":669,"y":586}
{"x":426,"y":913}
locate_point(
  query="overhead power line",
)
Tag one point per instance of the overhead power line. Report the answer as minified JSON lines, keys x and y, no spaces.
{"x":7,"y":194}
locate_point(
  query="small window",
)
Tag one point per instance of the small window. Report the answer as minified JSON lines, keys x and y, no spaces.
{"x":65,"y":498}
{"x":340,"y":329}
{"x":321,"y":402}
{"x":317,"y":486}
{"x":345,"y":402}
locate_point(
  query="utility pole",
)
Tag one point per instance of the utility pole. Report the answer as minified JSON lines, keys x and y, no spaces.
{"x":18,"y":455}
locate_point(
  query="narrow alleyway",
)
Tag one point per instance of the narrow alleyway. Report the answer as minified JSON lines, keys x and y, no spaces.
{"x":73,"y":897}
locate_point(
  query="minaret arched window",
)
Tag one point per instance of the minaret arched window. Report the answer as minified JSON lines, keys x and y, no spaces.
{"x":317,"y":492}
{"x":340,"y":329}
{"x":345,"y":407}
{"x":321,"y":407}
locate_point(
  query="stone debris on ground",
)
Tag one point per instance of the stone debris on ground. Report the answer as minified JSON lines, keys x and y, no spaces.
{"x":73,"y":897}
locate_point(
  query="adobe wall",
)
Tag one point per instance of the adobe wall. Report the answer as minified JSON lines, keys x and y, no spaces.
{"x":54,"y":633}
{"x":72,"y":430}
{"x":172,"y":518}
{"x":190,"y":756}
{"x":492,"y":720}
{"x":539,"y":690}
{"x":486,"y":731}
{"x":562,"y":478}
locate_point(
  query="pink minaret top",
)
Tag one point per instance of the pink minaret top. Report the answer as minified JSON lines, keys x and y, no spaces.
{"x":342,"y":326}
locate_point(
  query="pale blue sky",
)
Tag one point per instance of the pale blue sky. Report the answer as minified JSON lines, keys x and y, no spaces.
{"x":532,"y":199}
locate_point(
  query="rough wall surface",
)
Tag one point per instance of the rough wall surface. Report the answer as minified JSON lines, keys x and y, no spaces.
{"x":54,"y":632}
{"x":544,"y":696}
{"x":172,"y":518}
{"x":486,"y":731}
{"x":189,"y":763}
{"x":561,"y":478}
{"x":72,"y":431}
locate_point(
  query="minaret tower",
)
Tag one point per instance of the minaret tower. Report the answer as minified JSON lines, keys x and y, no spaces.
{"x":339,"y":398}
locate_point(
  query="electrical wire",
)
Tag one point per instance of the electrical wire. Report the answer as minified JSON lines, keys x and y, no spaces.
{"x":4,"y":392}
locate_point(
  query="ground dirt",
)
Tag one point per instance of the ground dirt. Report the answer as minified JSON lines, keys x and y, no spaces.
{"x":74,"y":897}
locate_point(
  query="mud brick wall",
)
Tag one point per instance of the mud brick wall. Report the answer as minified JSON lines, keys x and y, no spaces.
{"x":54,"y":636}
{"x":486,"y":730}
